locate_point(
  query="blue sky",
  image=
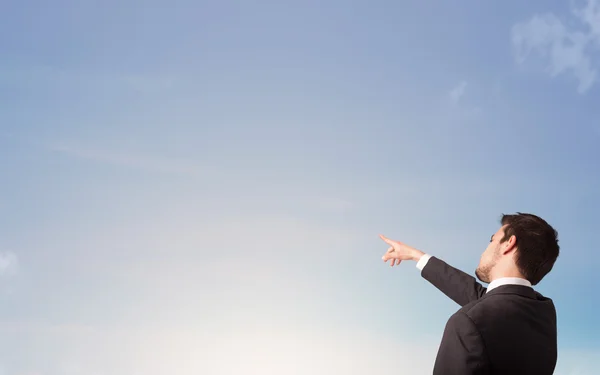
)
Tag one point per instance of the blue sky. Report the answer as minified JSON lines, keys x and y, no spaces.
{"x":198,"y":187}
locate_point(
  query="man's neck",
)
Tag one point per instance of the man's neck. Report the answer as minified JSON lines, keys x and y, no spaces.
{"x":501,"y":273}
{"x":508,"y":280}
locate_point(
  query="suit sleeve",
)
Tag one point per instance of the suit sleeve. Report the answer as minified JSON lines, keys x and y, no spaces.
{"x":454,"y":283}
{"x":462,"y":351}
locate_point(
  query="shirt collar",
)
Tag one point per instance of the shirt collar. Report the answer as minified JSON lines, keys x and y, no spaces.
{"x":507,"y":281}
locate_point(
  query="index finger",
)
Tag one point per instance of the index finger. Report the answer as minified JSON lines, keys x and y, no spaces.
{"x":387,"y":240}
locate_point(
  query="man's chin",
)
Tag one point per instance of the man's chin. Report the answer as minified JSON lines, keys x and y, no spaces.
{"x":481,"y":277}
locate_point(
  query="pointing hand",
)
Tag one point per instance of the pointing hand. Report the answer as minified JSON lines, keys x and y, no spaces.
{"x":397,"y":252}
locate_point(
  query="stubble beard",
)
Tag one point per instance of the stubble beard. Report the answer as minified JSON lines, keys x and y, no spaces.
{"x":483,"y":271}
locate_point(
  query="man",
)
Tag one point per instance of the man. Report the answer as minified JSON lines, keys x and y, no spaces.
{"x":508,"y":328}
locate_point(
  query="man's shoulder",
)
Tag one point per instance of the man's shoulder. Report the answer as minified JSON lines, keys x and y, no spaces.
{"x":503,"y":303}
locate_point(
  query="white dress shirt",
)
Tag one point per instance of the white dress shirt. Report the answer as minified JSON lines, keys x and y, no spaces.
{"x":494,"y":284}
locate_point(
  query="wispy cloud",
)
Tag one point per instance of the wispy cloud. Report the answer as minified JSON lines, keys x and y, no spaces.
{"x":307,"y":196}
{"x":460,"y":108}
{"x":457,"y":92}
{"x":9,"y":264}
{"x":566,"y":48}
{"x":131,"y":160}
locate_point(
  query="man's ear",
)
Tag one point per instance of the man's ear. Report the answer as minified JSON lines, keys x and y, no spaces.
{"x":509,"y":245}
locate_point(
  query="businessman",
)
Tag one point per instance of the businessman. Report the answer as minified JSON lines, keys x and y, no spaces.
{"x":507,"y":328}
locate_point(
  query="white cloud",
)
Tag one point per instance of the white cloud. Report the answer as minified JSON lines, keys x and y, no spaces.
{"x":457,"y":93}
{"x":590,"y":15}
{"x":567,"y":49}
{"x":459,"y":110}
{"x":9,"y":263}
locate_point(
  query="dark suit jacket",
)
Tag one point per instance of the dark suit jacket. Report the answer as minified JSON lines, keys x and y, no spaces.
{"x":509,"y":331}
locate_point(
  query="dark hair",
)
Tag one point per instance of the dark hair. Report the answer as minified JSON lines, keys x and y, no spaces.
{"x":537,"y":244}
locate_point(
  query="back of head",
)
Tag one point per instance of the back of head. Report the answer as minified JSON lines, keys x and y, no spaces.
{"x":537,"y":244}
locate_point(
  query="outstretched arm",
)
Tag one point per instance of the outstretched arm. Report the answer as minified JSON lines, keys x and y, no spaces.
{"x":454,"y":283}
